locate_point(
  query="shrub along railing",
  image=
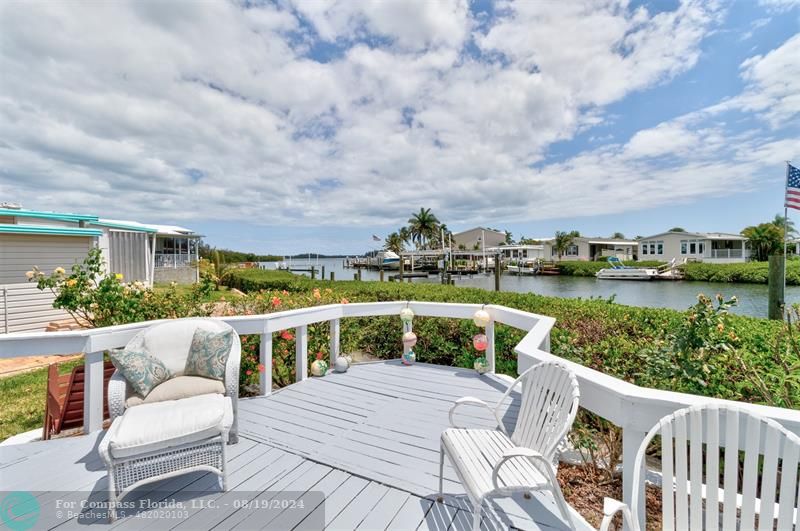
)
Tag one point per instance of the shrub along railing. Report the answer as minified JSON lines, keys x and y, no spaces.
{"x":633,"y":408}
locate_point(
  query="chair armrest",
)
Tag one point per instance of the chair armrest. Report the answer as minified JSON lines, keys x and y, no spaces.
{"x":610,"y":508}
{"x":528,"y":453}
{"x":471,"y":401}
{"x":117,"y":391}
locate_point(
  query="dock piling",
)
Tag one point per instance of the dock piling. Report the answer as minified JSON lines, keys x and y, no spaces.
{"x":497,"y":272}
{"x":333,"y":276}
{"x":775,"y":287}
{"x":313,"y":273}
{"x":380,"y":274}
{"x":359,"y":274}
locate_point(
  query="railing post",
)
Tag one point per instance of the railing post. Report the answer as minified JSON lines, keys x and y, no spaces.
{"x":265,"y":359}
{"x":631,"y":441}
{"x":301,"y":353}
{"x":490,"y":354}
{"x":93,"y":392}
{"x":334,"y":341}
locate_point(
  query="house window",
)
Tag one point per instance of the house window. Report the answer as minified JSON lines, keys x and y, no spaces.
{"x":652,"y":248}
{"x":684,"y":244}
{"x":700,"y":247}
{"x":572,"y":250}
{"x":644,"y":248}
{"x":660,"y":248}
{"x":692,"y":248}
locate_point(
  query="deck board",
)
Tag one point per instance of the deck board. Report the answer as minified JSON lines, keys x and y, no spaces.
{"x":367,"y":440}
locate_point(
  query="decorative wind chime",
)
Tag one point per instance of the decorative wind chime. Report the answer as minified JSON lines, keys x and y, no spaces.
{"x":481,"y":318}
{"x":409,"y":337}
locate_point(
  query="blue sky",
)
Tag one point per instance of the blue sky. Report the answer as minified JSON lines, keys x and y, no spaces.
{"x":284,"y":127}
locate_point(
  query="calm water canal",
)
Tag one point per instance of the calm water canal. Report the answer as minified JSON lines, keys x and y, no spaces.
{"x":678,"y":295}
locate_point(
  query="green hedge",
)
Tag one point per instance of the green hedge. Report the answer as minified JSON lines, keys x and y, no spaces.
{"x":636,"y":344}
{"x":748,"y":272}
{"x":744,"y":273}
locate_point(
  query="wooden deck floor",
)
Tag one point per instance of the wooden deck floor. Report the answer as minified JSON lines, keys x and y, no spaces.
{"x":365,"y":442}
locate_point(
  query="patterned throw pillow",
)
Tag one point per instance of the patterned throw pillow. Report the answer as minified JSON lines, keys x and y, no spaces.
{"x":140,"y":369}
{"x":209,"y":354}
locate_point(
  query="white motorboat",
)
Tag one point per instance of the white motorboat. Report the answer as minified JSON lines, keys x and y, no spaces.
{"x":619,"y":271}
{"x":385,"y":260}
{"x":523,"y":267}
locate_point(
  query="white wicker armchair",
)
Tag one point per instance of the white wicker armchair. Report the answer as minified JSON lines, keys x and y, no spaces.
{"x":170,"y":342}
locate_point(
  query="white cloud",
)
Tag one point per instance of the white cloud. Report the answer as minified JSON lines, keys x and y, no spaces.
{"x":779,"y":5}
{"x":410,"y":25}
{"x":150,"y":111}
{"x":773,"y":83}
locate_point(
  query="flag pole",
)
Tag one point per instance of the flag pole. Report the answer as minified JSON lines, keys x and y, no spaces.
{"x":785,"y":232}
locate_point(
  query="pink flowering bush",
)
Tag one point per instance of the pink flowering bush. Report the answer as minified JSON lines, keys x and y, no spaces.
{"x":283,"y":342}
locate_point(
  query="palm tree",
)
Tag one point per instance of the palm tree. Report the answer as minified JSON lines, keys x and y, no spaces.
{"x":765,"y":239}
{"x":435,"y":239}
{"x":222,"y":269}
{"x":791,"y":230}
{"x":394,"y":242}
{"x":563,"y":240}
{"x":404,"y":234}
{"x":423,"y":226}
{"x":509,"y":238}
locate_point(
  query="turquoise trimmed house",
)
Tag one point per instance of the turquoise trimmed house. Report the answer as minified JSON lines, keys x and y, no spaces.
{"x":140,"y":252}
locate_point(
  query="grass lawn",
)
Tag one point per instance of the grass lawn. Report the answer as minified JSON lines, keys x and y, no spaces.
{"x":224,"y":292}
{"x":23,"y":399}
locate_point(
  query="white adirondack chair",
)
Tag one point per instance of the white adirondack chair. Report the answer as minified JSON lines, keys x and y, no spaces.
{"x":689,"y":433}
{"x":492,"y":463}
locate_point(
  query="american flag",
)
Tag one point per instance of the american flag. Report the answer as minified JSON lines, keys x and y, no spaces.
{"x":792,"y":187}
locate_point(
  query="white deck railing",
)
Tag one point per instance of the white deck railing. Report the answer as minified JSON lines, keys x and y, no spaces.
{"x":728,"y":253}
{"x":634,"y":409}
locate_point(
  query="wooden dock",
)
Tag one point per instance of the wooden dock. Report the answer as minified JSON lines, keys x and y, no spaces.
{"x":361,"y":448}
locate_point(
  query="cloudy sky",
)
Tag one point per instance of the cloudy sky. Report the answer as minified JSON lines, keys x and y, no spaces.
{"x":292,"y":126}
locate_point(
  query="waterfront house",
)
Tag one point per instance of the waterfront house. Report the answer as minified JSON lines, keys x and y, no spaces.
{"x":47,"y":240}
{"x":592,"y":248}
{"x":478,"y":239}
{"x":714,"y":247}
{"x":519,"y":252}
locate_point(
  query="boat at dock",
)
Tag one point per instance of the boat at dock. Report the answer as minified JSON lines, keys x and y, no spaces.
{"x":385,"y":260}
{"x":619,"y":271}
{"x":523,"y":267}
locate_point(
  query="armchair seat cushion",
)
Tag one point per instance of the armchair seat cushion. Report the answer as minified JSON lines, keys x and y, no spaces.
{"x":178,"y":388}
{"x":159,"y":426}
{"x":474,"y":453}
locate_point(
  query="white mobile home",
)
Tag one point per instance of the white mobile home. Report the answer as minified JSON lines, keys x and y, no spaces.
{"x":587,"y":248}
{"x":478,"y":239}
{"x":715,"y":247}
{"x":48,"y":240}
{"x":519,"y":252}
